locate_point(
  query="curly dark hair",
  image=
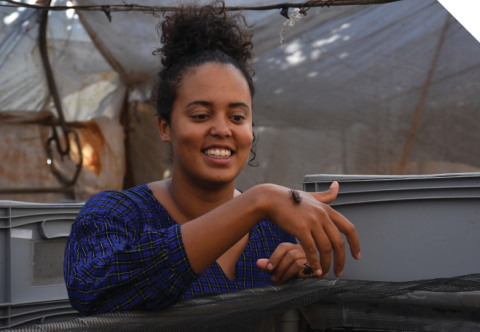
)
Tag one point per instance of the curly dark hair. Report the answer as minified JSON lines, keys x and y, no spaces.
{"x":194,"y":35}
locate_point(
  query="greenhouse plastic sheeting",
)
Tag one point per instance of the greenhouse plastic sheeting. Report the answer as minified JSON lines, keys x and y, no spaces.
{"x":381,"y":89}
{"x":350,"y":96}
{"x":86,"y":82}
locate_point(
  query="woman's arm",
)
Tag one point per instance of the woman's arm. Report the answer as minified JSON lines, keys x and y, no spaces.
{"x":117,"y":259}
{"x":314,"y":223}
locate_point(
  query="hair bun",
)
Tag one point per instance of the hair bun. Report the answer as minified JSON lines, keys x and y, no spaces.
{"x":194,"y":28}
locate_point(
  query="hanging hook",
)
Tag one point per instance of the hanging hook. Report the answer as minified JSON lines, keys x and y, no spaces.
{"x":284,"y":12}
{"x":106,"y":10}
{"x":42,"y":41}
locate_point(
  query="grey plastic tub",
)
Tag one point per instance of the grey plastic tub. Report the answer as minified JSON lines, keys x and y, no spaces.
{"x":37,"y":313}
{"x":410,"y":227}
{"x":32,"y":245}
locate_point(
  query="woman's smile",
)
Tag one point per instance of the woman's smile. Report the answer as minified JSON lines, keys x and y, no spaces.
{"x":218,"y":156}
{"x":218,"y":153}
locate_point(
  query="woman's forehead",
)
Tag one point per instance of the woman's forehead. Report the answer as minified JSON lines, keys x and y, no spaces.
{"x":215,"y":83}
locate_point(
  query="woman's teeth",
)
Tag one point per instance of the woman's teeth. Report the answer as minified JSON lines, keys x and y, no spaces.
{"x":217,"y":153}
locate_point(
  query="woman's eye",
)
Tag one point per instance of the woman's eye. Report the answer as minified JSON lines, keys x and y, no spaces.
{"x":238,"y":118}
{"x":200,"y":116}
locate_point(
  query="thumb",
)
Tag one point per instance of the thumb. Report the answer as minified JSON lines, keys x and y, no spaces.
{"x":328,"y":195}
{"x":262,"y":264}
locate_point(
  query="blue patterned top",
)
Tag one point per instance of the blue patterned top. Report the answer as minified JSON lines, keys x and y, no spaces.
{"x":125,"y":252}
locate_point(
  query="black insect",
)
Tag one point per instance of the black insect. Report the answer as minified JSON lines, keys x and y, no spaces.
{"x":296,"y":196}
{"x":307,"y":270}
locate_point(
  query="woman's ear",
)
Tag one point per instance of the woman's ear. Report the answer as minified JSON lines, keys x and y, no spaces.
{"x":164,"y":129}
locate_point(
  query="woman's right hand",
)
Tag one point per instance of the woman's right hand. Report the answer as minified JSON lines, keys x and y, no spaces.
{"x":315,"y":224}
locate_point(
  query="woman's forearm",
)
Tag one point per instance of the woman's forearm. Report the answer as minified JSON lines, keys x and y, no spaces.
{"x":211,"y":235}
{"x":315,"y":224}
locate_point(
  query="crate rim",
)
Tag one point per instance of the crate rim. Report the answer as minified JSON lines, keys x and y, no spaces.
{"x":317,"y":178}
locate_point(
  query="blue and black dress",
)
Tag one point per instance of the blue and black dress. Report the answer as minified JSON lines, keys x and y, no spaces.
{"x":125,"y":252}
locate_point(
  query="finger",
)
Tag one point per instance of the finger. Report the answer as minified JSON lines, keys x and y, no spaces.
{"x":328,"y":195}
{"x":293,"y":270}
{"x":338,"y":245}
{"x":262,"y":264}
{"x":324,"y":247}
{"x":288,"y":259}
{"x":279,"y":253}
{"x":347,"y":228}
{"x":311,"y":252}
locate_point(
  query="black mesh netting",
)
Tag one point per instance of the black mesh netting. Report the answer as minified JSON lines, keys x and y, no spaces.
{"x":218,"y":310}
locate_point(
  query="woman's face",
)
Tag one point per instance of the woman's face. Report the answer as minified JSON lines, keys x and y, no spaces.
{"x":211,"y":124}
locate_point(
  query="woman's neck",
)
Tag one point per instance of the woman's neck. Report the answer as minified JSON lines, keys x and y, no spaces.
{"x":194,"y":199}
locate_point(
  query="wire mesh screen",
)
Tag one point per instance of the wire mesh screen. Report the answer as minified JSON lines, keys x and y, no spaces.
{"x":217,"y":310}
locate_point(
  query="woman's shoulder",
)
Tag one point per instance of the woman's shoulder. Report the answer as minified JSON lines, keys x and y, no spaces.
{"x":121,"y":203}
{"x":130,"y":211}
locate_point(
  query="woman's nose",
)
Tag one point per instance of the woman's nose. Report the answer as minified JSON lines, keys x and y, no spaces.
{"x":220,"y":127}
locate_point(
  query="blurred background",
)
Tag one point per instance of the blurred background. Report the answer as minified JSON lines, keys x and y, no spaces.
{"x":378,"y":89}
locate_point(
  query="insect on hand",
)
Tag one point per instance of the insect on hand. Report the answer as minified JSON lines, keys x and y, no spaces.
{"x":296,"y":196}
{"x":307,"y":270}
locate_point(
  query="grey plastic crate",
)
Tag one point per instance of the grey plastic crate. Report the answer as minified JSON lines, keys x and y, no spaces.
{"x":38,"y":313}
{"x":32,"y":245}
{"x":410,"y":227}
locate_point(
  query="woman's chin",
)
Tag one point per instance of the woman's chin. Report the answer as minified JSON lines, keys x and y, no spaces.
{"x":210,"y":171}
{"x":216,"y":177}
{"x":220,"y":179}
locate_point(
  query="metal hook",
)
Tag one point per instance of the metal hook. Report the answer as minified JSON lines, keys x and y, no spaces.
{"x":53,"y":168}
{"x":107,"y":12}
{"x":284,"y":12}
{"x":42,"y":41}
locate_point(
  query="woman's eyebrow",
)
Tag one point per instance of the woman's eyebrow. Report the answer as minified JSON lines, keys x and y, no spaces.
{"x":207,"y":103}
{"x":238,"y":104}
{"x":200,"y":102}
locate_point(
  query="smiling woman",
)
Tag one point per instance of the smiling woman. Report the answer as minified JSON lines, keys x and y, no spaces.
{"x":149,"y":246}
{"x":213,"y":118}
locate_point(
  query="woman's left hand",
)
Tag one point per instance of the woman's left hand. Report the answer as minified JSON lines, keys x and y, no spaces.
{"x":288,"y":261}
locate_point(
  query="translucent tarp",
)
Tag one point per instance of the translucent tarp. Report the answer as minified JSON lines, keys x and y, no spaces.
{"x":352,"y":96}
{"x":86,"y":82}
{"x":381,"y":89}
